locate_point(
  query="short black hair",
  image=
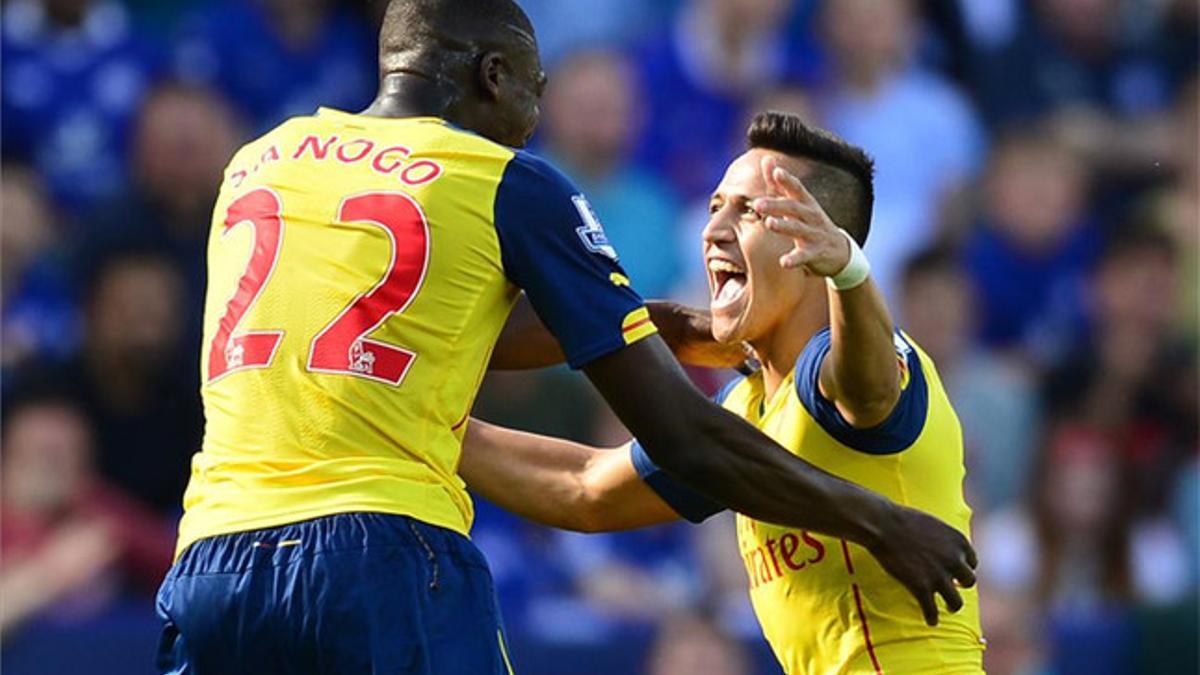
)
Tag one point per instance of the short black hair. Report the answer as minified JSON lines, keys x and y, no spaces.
{"x":936,"y":260}
{"x":1136,"y":239}
{"x":102,"y":258}
{"x":844,"y":185}
{"x":411,"y":28}
{"x":36,"y":387}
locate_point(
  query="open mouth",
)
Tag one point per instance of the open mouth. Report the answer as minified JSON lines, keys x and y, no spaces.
{"x":728,"y":281}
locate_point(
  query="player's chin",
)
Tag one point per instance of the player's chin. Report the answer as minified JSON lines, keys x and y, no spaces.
{"x":729,"y":325}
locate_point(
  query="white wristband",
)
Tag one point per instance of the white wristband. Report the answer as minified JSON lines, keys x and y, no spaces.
{"x":855,"y":272}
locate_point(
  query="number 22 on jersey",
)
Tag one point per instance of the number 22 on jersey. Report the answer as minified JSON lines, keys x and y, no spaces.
{"x":341,"y":347}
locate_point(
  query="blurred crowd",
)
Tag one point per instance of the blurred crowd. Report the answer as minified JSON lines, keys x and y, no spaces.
{"x":1036,"y":230}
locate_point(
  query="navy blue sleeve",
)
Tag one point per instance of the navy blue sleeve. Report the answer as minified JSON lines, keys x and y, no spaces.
{"x":685,"y":501}
{"x":553,"y":246}
{"x":688,"y":503}
{"x":895,"y":434}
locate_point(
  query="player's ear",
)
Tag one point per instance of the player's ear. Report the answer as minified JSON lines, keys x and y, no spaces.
{"x":491,"y":71}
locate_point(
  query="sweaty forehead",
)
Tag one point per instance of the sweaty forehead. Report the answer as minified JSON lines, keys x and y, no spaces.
{"x":744,"y":177}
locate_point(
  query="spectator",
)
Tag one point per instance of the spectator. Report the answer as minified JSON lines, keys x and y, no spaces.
{"x":922,"y":133}
{"x":591,"y":119}
{"x":68,"y":538}
{"x":1176,"y":35}
{"x":39,"y":318}
{"x":996,"y":398}
{"x":1092,"y":53}
{"x":1030,"y":253}
{"x":1174,"y":208}
{"x":1071,"y":552}
{"x":690,"y":645}
{"x":280,"y":58}
{"x":534,"y":587}
{"x":157,"y":16}
{"x":73,"y":75}
{"x":1057,"y":294}
{"x":185,"y":136}
{"x":1132,"y":380}
{"x":724,"y":575}
{"x":700,"y":73}
{"x":609,"y":24}
{"x":1099,"y":538}
{"x":135,"y":380}
{"x":634,"y":577}
{"x":1014,"y":642}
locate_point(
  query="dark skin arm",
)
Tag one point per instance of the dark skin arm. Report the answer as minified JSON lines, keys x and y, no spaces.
{"x":526,"y":343}
{"x":718,"y":454}
{"x":732,"y":463}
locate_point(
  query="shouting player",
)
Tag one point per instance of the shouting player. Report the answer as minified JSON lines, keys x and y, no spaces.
{"x":361,"y":267}
{"x":839,"y":387}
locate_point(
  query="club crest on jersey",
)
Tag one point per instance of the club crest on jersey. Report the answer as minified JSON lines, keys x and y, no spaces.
{"x":592,"y":232}
{"x":361,"y":359}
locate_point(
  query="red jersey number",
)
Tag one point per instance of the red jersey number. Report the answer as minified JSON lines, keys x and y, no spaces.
{"x":230,"y":352}
{"x":342,"y":347}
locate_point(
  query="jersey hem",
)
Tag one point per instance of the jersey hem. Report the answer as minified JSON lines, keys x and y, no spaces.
{"x":186,"y":541}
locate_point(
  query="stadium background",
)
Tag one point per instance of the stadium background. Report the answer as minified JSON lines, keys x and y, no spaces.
{"x":1036,"y":229}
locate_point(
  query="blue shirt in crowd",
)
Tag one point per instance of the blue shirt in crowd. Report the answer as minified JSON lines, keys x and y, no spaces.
{"x":71,"y":96}
{"x":236,"y":48}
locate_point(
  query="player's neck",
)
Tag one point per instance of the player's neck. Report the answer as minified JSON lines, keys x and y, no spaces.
{"x":412,"y":94}
{"x":778,"y":349}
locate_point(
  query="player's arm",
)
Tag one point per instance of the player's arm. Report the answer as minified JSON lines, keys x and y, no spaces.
{"x":732,"y":463}
{"x":559,"y":483}
{"x":554,"y":248}
{"x":860,"y":373}
{"x":526,"y":343}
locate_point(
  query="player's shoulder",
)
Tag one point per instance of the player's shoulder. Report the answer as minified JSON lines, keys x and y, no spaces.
{"x":903,"y":426}
{"x":528,"y":172}
{"x":534,"y":193}
{"x":910,"y":353}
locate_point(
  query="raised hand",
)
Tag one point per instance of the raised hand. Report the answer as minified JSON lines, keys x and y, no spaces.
{"x":820,"y":246}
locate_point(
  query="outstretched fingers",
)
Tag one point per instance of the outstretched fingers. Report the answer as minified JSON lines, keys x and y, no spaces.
{"x":784,"y":182}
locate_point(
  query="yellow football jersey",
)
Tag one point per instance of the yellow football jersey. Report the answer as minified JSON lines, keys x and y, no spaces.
{"x":825,"y":605}
{"x":359,"y":272}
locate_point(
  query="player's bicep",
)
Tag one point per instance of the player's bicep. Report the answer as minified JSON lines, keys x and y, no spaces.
{"x":554,"y":248}
{"x":896,"y":432}
{"x":621,"y":500}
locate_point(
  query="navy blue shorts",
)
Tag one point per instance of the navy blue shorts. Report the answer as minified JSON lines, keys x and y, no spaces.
{"x":353,"y":593}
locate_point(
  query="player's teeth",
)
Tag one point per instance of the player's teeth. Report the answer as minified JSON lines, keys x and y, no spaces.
{"x":724,"y":266}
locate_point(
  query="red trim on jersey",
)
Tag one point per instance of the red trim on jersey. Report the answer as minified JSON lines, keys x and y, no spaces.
{"x":862,"y":617}
{"x":636,"y":324}
{"x":461,"y":422}
{"x":862,"y":614}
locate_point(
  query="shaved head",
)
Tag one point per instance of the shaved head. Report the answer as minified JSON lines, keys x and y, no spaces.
{"x":843,"y":181}
{"x":435,"y":34}
{"x":472,"y":62}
